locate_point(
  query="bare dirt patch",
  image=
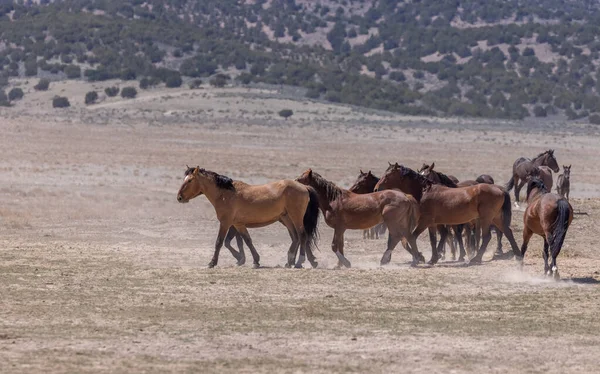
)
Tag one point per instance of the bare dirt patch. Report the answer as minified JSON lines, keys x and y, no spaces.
{"x":102,"y":270}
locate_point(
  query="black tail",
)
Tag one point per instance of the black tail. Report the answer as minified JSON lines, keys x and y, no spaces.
{"x":560,"y":227}
{"x":506,"y":210}
{"x":511,"y":183}
{"x":311,"y":219}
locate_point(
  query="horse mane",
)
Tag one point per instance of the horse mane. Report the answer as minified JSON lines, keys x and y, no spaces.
{"x":332,"y":191}
{"x":536,"y":183}
{"x":541,"y":154}
{"x":411,"y":174}
{"x":445,"y":180}
{"x":221,"y":181}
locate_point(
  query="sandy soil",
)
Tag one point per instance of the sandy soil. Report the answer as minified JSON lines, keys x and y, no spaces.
{"x":101,"y":270}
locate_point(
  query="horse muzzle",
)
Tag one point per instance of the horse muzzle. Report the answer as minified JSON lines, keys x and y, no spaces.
{"x":181,"y":199}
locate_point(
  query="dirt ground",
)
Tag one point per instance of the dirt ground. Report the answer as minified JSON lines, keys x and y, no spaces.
{"x":101,"y":270}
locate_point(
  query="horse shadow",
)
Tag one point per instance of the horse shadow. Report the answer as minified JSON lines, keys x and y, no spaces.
{"x":582,"y":280}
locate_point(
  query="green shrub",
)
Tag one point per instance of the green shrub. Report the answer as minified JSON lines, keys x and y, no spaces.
{"x":42,"y":85}
{"x":15,"y":94}
{"x":286,"y":113}
{"x":91,"y":97}
{"x":111,"y":91}
{"x":128,"y":92}
{"x":60,"y":102}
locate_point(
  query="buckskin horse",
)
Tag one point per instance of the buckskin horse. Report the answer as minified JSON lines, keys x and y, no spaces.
{"x":344,"y":210}
{"x":441,"y":205}
{"x":246,"y":206}
{"x":523,"y":166}
{"x":548,"y":215}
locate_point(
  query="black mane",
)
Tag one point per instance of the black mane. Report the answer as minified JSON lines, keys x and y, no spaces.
{"x":332,"y":191}
{"x":221,"y":181}
{"x":543,"y":154}
{"x":411,"y":174}
{"x":445,"y":180}
{"x":536,"y":183}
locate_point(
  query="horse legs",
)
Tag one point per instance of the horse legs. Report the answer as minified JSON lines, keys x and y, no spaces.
{"x":246,"y":235}
{"x":507,"y":231}
{"x":518,"y":189}
{"x":240,"y":257}
{"x":499,"y":245}
{"x":443,"y":237}
{"x":546,"y":266}
{"x":286,"y":221}
{"x":337,"y":246}
{"x":218,"y":244}
{"x":486,"y":236}
{"x":458,"y":231}
{"x":433,"y":242}
{"x":527,"y":233}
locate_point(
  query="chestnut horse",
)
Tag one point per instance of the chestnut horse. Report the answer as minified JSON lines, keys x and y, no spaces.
{"x":441,"y":205}
{"x":563,"y":183}
{"x":365,"y":183}
{"x":545,"y":174}
{"x":244,"y":206}
{"x":523,"y":166}
{"x":548,"y":215}
{"x":345,"y":210}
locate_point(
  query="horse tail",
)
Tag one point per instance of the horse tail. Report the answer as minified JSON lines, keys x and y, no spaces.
{"x":510,"y":184}
{"x":311,"y":219}
{"x":560,"y":227}
{"x":506,"y":210}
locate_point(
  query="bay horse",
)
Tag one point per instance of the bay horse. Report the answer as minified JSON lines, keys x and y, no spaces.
{"x":345,"y":210}
{"x":563,"y":183}
{"x":365,"y":183}
{"x":441,"y":205}
{"x":428,"y":172}
{"x":522,"y":168}
{"x":548,"y":215}
{"x":244,"y":206}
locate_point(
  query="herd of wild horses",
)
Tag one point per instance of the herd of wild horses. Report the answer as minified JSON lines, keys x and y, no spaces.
{"x":405,"y":201}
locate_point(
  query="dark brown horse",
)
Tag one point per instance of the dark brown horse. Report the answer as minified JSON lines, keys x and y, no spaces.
{"x":345,"y":210}
{"x":246,"y":206}
{"x":485,"y":178}
{"x":365,"y":183}
{"x":548,"y":215}
{"x":523,"y":166}
{"x":441,"y":205}
{"x":563,"y":183}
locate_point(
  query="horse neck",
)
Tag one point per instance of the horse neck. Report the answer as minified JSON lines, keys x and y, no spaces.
{"x":324,"y":203}
{"x":540,"y":161}
{"x":413,"y":188}
{"x":212,"y":192}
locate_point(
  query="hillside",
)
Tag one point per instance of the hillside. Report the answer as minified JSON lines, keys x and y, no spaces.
{"x":503,"y":59}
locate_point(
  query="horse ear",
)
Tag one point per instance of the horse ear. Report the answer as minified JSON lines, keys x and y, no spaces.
{"x":310,"y":173}
{"x":197,"y":170}
{"x":361,"y":172}
{"x":390,"y":164}
{"x":432,"y":166}
{"x":551,"y":152}
{"x":396,"y":165}
{"x":369,"y":173}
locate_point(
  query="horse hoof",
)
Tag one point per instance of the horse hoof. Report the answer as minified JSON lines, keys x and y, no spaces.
{"x":287,"y":266}
{"x":475,"y":261}
{"x":314,"y":264}
{"x":241,"y":262}
{"x":461,"y":259}
{"x":212,"y":264}
{"x":556,"y":276}
{"x":255,"y":266}
{"x":298,"y":266}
